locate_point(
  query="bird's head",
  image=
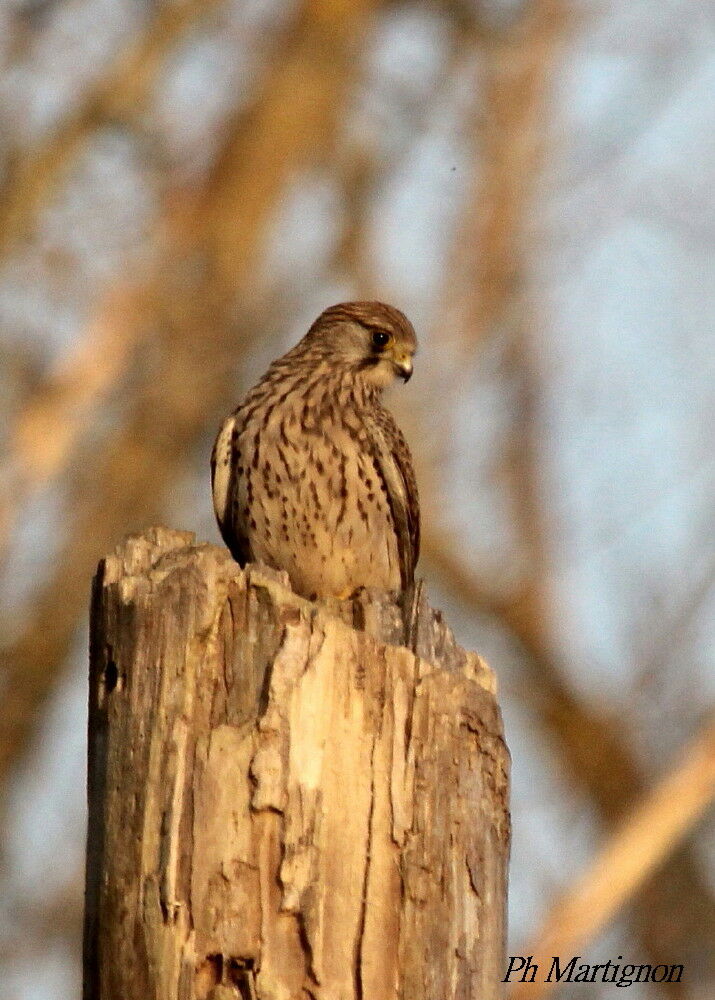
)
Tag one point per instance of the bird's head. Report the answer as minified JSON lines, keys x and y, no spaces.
{"x":375,"y":340}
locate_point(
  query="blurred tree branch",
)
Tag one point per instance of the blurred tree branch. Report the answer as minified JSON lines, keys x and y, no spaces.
{"x":634,"y":851}
{"x":48,"y":428}
{"x":119,"y":95}
{"x":294,"y":122}
{"x":516,"y":72}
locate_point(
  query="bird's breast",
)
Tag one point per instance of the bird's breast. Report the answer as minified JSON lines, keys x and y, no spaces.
{"x":311,"y":500}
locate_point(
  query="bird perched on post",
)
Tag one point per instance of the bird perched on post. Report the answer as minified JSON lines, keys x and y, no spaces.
{"x":311,"y":474}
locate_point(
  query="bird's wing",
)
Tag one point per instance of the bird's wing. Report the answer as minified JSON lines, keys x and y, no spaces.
{"x":393,"y":461}
{"x":225,"y":486}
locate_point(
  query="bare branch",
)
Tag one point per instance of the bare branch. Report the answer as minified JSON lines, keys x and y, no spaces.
{"x":47,"y":430}
{"x":517,"y":67}
{"x":118,"y":95}
{"x":634,"y":851}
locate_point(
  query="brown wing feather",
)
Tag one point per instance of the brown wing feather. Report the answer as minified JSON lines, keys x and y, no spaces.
{"x":394,"y":464}
{"x":225,"y":485}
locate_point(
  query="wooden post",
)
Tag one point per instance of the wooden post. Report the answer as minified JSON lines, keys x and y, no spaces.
{"x":284,"y":801}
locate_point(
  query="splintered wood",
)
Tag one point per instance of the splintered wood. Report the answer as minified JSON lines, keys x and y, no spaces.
{"x":284,"y":800}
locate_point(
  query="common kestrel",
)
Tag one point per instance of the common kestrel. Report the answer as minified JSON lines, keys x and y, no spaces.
{"x":311,"y":474}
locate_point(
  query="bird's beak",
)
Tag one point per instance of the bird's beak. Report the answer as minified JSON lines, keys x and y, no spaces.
{"x":403,"y":367}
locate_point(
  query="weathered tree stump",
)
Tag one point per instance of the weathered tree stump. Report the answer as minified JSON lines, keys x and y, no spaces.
{"x":285,"y":801}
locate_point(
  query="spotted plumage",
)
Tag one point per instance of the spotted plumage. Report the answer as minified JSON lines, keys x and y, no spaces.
{"x":311,"y":474}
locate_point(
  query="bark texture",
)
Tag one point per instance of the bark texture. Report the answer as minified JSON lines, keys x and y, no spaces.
{"x":286,"y":800}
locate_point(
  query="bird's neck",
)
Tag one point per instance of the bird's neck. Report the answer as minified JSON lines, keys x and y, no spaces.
{"x":347,"y":386}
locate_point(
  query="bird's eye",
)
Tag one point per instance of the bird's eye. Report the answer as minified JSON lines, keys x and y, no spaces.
{"x":380,"y":338}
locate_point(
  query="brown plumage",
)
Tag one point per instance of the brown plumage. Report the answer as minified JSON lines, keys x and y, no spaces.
{"x":311,"y":474}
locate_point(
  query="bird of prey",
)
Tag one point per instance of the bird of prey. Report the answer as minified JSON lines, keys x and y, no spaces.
{"x":311,"y":474}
